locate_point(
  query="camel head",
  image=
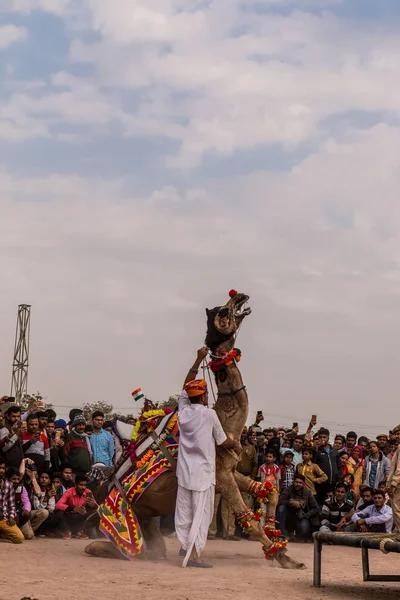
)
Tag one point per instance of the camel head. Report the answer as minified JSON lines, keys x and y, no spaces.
{"x":223,"y":322}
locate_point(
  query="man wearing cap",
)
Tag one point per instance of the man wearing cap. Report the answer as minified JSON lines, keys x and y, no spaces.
{"x":200,"y":430}
{"x":77,"y":450}
{"x":393,"y":481}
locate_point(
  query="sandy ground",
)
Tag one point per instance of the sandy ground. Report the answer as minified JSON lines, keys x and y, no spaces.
{"x":48,"y":569}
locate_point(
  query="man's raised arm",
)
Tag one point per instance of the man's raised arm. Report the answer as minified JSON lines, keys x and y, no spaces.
{"x":192,"y":374}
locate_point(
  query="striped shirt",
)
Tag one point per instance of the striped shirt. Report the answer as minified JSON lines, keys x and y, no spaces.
{"x":333,"y":512}
{"x":7,"y":500}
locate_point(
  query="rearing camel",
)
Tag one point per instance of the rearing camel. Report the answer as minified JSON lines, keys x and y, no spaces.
{"x":232,"y":410}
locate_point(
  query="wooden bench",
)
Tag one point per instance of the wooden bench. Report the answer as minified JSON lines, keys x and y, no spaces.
{"x":385,"y":542}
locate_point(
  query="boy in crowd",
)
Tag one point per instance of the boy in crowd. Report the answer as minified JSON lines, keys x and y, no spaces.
{"x":334,"y":511}
{"x":287,"y":470}
{"x":313,"y":474}
{"x":67,"y":480}
{"x":8,"y":525}
{"x":270,"y":471}
{"x":74,"y":508}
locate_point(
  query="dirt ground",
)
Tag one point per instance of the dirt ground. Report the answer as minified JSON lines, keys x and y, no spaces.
{"x":50,"y":569}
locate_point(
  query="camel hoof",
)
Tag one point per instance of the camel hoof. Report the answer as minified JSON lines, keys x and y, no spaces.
{"x":289,"y":563}
{"x":103,"y":550}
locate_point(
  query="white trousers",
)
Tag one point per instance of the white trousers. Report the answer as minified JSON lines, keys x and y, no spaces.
{"x":193,"y":515}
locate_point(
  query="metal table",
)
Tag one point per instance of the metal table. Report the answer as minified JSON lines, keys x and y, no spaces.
{"x":366,"y":541}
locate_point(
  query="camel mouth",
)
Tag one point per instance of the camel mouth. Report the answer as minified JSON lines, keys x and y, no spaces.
{"x":241,"y":310}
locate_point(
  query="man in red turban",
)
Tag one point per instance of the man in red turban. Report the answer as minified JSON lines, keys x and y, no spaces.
{"x":200,"y":430}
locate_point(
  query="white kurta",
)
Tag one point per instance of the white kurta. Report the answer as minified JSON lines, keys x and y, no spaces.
{"x":200,"y":430}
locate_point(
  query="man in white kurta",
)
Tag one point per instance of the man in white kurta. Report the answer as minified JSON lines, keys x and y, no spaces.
{"x":200,"y":431}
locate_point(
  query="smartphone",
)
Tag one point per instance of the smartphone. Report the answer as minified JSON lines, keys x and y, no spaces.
{"x":295,"y":425}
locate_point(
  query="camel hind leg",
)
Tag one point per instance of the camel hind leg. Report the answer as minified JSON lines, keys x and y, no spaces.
{"x":230,"y":485}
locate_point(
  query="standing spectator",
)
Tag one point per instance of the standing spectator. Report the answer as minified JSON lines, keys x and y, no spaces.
{"x":357,"y":462}
{"x":351,"y":440}
{"x":377,"y":518}
{"x":334,"y":511}
{"x":259,"y":419}
{"x":377,"y":466}
{"x":228,"y":521}
{"x":77,"y":450}
{"x":328,"y":459}
{"x":312,"y":473}
{"x":260,"y":449}
{"x":101,"y":441}
{"x":297,"y":510}
{"x":287,"y":470}
{"x":347,"y":466}
{"x":340,"y":442}
{"x":74,"y":508}
{"x":35,"y":444}
{"x":8,"y":525}
{"x":56,"y":444}
{"x":247,"y":465}
{"x":108,"y":426}
{"x":10,"y":438}
{"x":393,"y":481}
{"x":43,"y":418}
{"x":364,"y":443}
{"x":297,"y":450}
{"x":383,"y":443}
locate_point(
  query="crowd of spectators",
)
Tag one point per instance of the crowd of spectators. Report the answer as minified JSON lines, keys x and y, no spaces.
{"x":44,"y":466}
{"x":349,"y":485}
{"x":352,"y":484}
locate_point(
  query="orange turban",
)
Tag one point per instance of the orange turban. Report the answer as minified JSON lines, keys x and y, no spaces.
{"x":198,"y":387}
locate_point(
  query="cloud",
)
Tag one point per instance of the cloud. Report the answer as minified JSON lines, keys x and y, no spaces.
{"x":116,"y":278}
{"x":10,"y":34}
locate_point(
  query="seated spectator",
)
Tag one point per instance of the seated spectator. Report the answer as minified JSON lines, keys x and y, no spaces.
{"x":57,"y":485}
{"x":348,"y":480}
{"x":35,"y":443}
{"x":287,"y":470}
{"x":376,"y":466}
{"x":312,"y":473}
{"x":74,"y":508}
{"x":366,"y":498}
{"x":8,"y":525}
{"x":28,"y":520}
{"x":382,"y":488}
{"x":297,"y":511}
{"x":334,"y":511}
{"x":78,"y":450}
{"x":67,"y":478}
{"x":340,"y":442}
{"x":377,"y":518}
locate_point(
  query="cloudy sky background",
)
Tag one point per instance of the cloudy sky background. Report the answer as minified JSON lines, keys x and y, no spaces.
{"x":156,"y":153}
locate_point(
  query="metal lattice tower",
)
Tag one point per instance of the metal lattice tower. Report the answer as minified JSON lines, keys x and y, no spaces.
{"x":19,"y":381}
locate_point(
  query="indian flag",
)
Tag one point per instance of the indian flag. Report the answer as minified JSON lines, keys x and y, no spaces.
{"x":138,"y":395}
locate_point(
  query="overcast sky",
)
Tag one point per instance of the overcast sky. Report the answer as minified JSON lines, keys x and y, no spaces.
{"x":156,"y":153}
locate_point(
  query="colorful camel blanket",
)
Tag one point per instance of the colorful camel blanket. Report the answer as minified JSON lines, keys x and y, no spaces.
{"x":118,"y":521}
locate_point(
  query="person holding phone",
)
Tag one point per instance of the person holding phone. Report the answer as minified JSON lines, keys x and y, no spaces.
{"x":74,"y":507}
{"x":11,"y":450}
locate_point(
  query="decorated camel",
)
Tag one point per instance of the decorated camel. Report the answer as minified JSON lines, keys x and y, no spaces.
{"x":121,"y":512}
